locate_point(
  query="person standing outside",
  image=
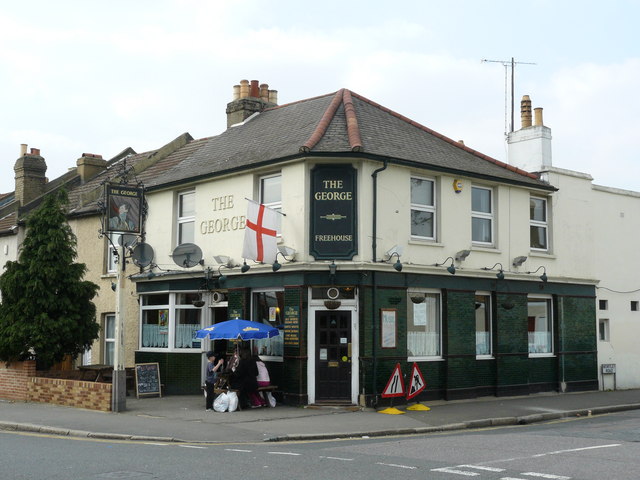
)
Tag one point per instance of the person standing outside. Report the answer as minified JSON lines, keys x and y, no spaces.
{"x":215,"y":365}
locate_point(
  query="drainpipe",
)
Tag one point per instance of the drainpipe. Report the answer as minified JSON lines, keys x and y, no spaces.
{"x":374,"y":241}
{"x":374,"y":306}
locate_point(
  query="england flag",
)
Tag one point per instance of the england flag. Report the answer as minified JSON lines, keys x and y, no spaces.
{"x":260,"y":234}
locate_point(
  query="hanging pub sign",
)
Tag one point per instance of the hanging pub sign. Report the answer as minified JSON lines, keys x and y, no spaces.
{"x":124,"y":207}
{"x":333,"y":212}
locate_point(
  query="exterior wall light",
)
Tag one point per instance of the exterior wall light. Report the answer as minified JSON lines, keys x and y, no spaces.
{"x":332,"y":268}
{"x":451,"y":269}
{"x":500,"y":274}
{"x":398,"y":264}
{"x":543,"y":277}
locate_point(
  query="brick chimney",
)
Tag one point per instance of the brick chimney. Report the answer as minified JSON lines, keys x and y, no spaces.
{"x":89,"y":165}
{"x":30,"y":170}
{"x":249,"y":98}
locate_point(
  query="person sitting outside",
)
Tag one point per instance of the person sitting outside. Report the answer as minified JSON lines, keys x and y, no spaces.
{"x":263,"y":380}
{"x":244,"y":378}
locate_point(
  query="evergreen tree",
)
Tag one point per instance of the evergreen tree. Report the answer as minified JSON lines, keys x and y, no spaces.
{"x":47,"y":309}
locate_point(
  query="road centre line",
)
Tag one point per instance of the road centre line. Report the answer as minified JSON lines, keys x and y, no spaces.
{"x":192,"y":446}
{"x":455,"y":471}
{"x":545,"y":475}
{"x":396,"y":465}
{"x":480,"y":467}
{"x":238,"y":450}
{"x":284,"y":453}
{"x":338,"y":458}
{"x":578,"y":449}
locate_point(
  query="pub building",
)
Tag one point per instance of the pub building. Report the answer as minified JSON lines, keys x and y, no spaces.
{"x":396,"y":245}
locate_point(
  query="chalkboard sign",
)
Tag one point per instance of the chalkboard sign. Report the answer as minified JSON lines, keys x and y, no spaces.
{"x":147,"y":379}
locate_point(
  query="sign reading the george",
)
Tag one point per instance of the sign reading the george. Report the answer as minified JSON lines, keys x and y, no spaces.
{"x":124,"y":208}
{"x":333,"y":212}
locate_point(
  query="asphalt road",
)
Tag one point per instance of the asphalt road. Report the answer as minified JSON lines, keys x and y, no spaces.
{"x":588,"y":448}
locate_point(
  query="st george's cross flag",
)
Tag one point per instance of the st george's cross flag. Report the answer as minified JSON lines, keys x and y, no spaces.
{"x":262,"y":227}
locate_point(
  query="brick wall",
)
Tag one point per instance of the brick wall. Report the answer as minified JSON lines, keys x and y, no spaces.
{"x":70,"y":393}
{"x":14,"y":379}
{"x":19,"y":383}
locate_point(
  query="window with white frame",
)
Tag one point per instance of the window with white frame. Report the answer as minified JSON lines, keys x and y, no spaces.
{"x":112,"y":256}
{"x":109,"y":338}
{"x":271,"y":191}
{"x":169,"y":321}
{"x":603,"y":329}
{"x":424,"y":324}
{"x":423,"y":208}
{"x":267,"y":306}
{"x":538,"y":226}
{"x":540,"y":325}
{"x":483,"y":325}
{"x":482,"y":215}
{"x":186,"y":217}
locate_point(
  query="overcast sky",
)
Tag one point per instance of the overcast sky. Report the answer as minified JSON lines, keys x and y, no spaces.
{"x":97,"y":77}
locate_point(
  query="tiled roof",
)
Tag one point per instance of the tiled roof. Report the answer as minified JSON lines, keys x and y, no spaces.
{"x":340,"y":123}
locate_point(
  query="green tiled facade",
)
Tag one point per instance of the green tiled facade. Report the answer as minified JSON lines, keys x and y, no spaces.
{"x":458,"y":372}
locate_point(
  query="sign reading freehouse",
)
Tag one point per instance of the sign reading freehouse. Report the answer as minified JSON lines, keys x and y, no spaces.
{"x":333,"y":212}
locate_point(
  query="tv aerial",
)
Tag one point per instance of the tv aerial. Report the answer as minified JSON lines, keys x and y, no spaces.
{"x":187,"y":255}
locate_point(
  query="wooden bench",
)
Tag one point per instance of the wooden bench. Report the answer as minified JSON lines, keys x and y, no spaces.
{"x":261,"y":391}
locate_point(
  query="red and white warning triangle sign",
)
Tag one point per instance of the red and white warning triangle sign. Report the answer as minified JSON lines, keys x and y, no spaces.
{"x":395,"y":385}
{"x":417,"y":383}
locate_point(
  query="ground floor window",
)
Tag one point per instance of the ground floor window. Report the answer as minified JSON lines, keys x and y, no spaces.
{"x":540,"y":326}
{"x":483,"y":325}
{"x":169,"y":321}
{"x":424,"y":324}
{"x":109,"y":338}
{"x":267,"y":307}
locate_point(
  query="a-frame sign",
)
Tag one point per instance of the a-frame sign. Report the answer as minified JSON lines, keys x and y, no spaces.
{"x":395,"y":385}
{"x":417,"y":383}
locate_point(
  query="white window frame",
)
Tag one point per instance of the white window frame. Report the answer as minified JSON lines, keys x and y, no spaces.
{"x":274,"y":204}
{"x":542,"y":224}
{"x":548,"y":300}
{"x":488,"y":312}
{"x":410,"y":318}
{"x":603,"y":330}
{"x":278,"y":338}
{"x":424,"y":207}
{"x":484,"y":215}
{"x":186,"y":219}
{"x":172,"y":309}
{"x":112,"y":245}
{"x":107,"y":340}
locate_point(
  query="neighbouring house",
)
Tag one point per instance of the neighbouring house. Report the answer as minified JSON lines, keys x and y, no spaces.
{"x":594,"y":233}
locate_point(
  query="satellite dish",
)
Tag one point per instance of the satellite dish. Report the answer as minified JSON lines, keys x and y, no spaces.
{"x":187,"y":255}
{"x":142,"y":254}
{"x":127,"y":240}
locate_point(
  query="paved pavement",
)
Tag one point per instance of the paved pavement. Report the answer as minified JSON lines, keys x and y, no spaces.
{"x":183,"y":418}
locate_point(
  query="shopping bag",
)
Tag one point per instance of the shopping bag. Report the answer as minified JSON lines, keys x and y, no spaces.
{"x":233,"y":401}
{"x":272,"y":399}
{"x":221,"y":403}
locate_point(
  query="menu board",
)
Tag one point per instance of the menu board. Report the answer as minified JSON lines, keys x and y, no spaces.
{"x":292,"y":326}
{"x":147,"y":379}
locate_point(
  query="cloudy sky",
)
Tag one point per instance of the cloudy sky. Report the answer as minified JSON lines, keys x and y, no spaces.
{"x":86,"y":76}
